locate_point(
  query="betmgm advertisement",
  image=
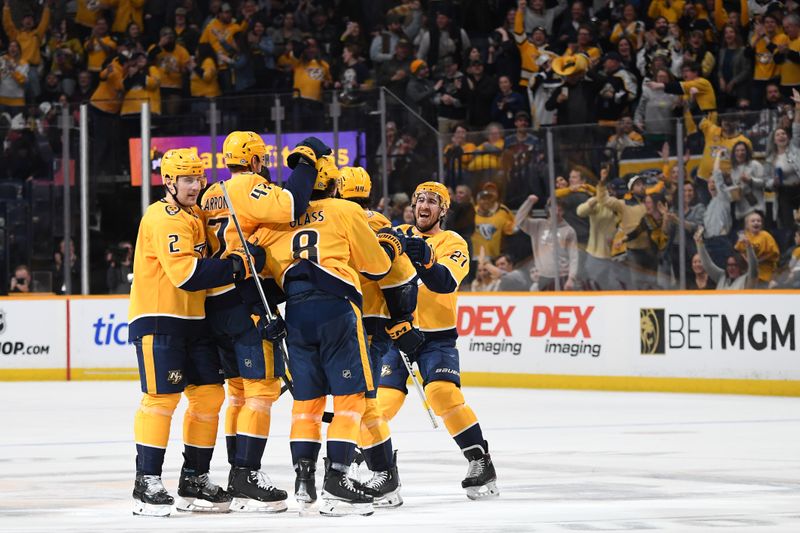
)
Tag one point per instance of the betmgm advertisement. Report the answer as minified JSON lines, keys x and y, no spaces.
{"x":749,"y":332}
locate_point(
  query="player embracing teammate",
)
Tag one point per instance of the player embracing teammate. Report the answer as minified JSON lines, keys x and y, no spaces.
{"x":331,"y":260}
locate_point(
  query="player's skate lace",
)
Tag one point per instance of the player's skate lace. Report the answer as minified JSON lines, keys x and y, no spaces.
{"x":377,"y":480}
{"x":476,"y":468}
{"x":347,"y":483}
{"x":206,"y":483}
{"x":154,"y":485}
{"x":262,"y":480}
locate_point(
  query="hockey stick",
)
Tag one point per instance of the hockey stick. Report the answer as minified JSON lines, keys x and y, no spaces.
{"x":418,"y":386}
{"x":327,"y":416}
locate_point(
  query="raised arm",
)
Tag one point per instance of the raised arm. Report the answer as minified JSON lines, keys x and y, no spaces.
{"x":714,"y":272}
{"x":519,"y":23}
{"x":523,"y":213}
{"x":752,"y":264}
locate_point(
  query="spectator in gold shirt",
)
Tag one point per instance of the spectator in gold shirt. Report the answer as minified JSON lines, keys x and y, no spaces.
{"x":764,"y":246}
{"x":172,"y":59}
{"x":98,"y":47}
{"x":766,"y":40}
{"x":30,"y":37}
{"x":492,"y":221}
{"x":311,"y":76}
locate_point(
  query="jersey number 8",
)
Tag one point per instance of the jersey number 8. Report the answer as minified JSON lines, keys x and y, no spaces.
{"x":304,"y":246}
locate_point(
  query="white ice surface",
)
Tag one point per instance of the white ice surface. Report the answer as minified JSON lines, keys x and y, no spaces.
{"x":566,"y":461}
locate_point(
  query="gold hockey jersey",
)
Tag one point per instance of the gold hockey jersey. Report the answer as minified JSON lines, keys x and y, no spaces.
{"x":402,"y":272}
{"x":255,"y":200}
{"x":169,"y":245}
{"x":437,"y":311}
{"x":329,"y":246}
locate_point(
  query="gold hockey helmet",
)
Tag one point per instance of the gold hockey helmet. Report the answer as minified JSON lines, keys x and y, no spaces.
{"x":436,"y":188}
{"x":182,"y":162}
{"x":354,"y":183}
{"x":240,"y":147}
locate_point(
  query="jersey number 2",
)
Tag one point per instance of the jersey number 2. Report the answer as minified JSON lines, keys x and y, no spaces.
{"x":304,"y":246}
{"x":173,"y":240}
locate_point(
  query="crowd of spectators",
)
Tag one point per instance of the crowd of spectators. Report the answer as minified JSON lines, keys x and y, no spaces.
{"x":610,"y":79}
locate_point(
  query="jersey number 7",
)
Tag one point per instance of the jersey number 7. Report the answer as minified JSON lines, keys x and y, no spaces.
{"x":221,"y":224}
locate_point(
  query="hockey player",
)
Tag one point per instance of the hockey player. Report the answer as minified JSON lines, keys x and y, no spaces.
{"x":317,"y":259}
{"x":167,"y":327}
{"x":252,"y":368}
{"x":389,"y":305}
{"x":442,"y":261}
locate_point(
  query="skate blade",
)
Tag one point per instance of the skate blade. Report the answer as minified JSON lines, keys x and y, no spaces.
{"x":149,"y":509}
{"x":198,"y":505}
{"x":483,"y":492}
{"x":248,"y":505}
{"x":306,"y":508}
{"x":330,"y":507}
{"x":389,"y":501}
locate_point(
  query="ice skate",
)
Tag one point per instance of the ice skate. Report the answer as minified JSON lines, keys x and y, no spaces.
{"x":199,"y":494}
{"x":305,"y":486}
{"x":150,"y":498}
{"x":384,"y":487}
{"x":253,"y":492}
{"x":480,"y":482}
{"x":341,"y":496}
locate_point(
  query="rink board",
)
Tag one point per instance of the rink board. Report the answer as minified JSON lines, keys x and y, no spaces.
{"x":725,"y":342}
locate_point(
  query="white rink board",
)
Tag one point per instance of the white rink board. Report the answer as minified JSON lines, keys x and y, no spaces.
{"x":713,"y":335}
{"x":733,"y":342}
{"x":99,"y":334}
{"x":33,"y":334}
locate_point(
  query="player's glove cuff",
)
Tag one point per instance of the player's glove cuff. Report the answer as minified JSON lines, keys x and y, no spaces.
{"x":238,"y":266}
{"x":272,"y":330}
{"x":299,"y":153}
{"x":405,"y":336}
{"x":393,"y":243}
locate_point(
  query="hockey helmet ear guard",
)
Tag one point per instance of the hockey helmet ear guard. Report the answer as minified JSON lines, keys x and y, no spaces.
{"x":436,"y":188}
{"x":354,"y":183}
{"x":182,"y":162}
{"x":240,"y":147}
{"x":327,"y":171}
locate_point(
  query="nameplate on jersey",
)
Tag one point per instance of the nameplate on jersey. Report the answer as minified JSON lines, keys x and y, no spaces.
{"x":308,"y":218}
{"x":214,"y":203}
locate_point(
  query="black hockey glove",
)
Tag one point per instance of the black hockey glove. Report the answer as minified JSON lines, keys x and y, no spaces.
{"x":272,"y":330}
{"x":309,"y":149}
{"x":393,"y":242}
{"x":239,"y":260}
{"x":405,"y":336}
{"x":420,"y":252}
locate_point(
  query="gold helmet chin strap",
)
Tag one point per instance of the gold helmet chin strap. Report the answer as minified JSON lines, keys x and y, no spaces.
{"x":175,"y":194}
